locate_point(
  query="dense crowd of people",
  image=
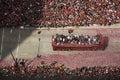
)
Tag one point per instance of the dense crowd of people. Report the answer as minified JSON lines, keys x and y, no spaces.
{"x":54,"y":71}
{"x":80,"y":12}
{"x":20,"y":12}
{"x":60,"y":39}
{"x":55,"y":13}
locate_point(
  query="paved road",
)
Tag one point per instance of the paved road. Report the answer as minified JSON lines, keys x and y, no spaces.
{"x":24,"y":42}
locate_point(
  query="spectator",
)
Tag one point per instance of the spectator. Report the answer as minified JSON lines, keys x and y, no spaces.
{"x":55,"y":72}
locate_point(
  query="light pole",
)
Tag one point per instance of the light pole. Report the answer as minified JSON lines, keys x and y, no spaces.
{"x":39,"y":32}
{"x":1,"y":50}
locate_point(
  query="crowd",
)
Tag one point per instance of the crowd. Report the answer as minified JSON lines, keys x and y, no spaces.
{"x":57,"y":13}
{"x":80,"y":12}
{"x":61,"y":39}
{"x":54,"y":71}
{"x":20,"y":12}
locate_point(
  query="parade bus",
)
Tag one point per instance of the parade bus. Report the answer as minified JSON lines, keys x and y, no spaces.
{"x":77,"y":42}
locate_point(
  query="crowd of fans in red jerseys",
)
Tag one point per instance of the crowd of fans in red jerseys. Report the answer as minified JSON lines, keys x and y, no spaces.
{"x":55,"y":13}
{"x":22,"y":71}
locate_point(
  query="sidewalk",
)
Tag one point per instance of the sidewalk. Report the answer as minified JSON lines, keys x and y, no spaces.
{"x":76,"y":27}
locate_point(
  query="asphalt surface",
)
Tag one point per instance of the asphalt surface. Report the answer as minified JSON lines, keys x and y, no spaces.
{"x":24,"y":43}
